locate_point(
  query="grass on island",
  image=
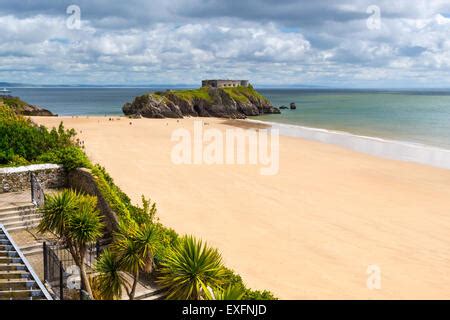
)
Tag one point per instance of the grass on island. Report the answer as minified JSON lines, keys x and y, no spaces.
{"x":189,"y":95}
{"x":141,"y":245}
{"x":243,"y":94}
{"x":240,"y":93}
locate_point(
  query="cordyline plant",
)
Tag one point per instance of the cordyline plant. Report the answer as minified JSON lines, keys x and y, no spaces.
{"x":191,"y":270}
{"x":75,"y":220}
{"x":132,"y":252}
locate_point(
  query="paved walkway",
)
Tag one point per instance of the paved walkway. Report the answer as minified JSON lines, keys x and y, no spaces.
{"x":10,"y":199}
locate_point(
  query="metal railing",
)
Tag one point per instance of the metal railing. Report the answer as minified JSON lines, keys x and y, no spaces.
{"x":61,"y":271}
{"x":37,"y":192}
{"x":26,"y":263}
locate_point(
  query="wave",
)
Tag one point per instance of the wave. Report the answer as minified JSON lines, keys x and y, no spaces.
{"x":389,"y":149}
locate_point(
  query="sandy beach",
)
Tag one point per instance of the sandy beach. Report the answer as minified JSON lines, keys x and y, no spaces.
{"x":309,"y":232}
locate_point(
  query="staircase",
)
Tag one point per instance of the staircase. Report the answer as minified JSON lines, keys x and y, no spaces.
{"x":19,"y":217}
{"x":17,"y":278}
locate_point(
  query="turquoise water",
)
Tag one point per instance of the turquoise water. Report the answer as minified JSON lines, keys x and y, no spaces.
{"x":416,"y":116}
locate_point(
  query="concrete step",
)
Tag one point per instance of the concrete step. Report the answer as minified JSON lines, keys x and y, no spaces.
{"x":32,"y":249}
{"x":6,"y":247}
{"x":15,"y":213}
{"x":14,"y":274}
{"x":19,"y":223}
{"x":8,"y":253}
{"x":9,"y":260}
{"x":4,"y":242}
{"x":32,"y":246}
{"x":25,"y":217}
{"x":17,"y":208}
{"x":16,"y":284}
{"x":12,"y":266}
{"x":21,"y":295}
{"x":33,"y":252}
{"x":14,"y":229}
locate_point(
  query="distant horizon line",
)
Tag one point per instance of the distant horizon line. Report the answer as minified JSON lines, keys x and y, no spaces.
{"x":183,"y":85}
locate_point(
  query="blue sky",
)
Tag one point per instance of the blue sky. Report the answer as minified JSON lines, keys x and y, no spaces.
{"x":328,"y":43}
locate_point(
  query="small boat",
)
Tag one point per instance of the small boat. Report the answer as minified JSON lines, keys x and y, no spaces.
{"x":4,"y":91}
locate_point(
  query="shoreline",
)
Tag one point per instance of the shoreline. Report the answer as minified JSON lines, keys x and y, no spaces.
{"x":391,"y":149}
{"x":381,"y":147}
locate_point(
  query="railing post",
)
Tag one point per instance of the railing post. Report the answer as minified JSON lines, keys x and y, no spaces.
{"x":32,"y":187}
{"x":44,"y":245}
{"x":61,"y":281}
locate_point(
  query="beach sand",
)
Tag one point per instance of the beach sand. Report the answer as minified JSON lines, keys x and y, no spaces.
{"x":309,"y":232}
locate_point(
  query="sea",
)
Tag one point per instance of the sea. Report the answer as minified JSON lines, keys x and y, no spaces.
{"x":409,"y":124}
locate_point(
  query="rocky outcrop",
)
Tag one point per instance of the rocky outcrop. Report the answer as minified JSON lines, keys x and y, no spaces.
{"x":31,"y":110}
{"x":293,"y":106}
{"x":23,"y":108}
{"x":235,"y":103}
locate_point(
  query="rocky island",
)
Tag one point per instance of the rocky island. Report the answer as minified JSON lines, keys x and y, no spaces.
{"x":234,"y":99}
{"x":23,"y":108}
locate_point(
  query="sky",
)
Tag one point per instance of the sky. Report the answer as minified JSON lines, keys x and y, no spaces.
{"x":349,"y":43}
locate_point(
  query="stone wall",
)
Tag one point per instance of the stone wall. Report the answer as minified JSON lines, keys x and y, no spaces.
{"x":224,"y":83}
{"x":16,"y":179}
{"x":82,"y":180}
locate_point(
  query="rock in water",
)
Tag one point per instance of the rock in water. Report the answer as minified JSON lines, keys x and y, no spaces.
{"x":293,"y":106}
{"x":283,"y":107}
{"x":235,"y":103}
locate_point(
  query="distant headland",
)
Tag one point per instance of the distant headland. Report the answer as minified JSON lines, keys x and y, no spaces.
{"x":21,"y":107}
{"x":235,"y":99}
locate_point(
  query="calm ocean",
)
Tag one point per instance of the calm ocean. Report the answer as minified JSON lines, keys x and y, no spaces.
{"x":415,"y":116}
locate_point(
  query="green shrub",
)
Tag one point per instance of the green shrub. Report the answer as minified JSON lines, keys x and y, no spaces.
{"x":23,"y":142}
{"x":70,"y":157}
{"x":116,"y":199}
{"x":233,"y":279}
{"x":168,"y":240}
{"x":258,"y":295}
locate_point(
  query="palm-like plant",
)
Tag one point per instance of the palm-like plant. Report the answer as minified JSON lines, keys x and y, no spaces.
{"x":135,"y":247}
{"x":75,"y":219}
{"x":110,"y":279}
{"x":232,"y":292}
{"x":147,"y":238}
{"x":56,"y":211}
{"x":191,"y":270}
{"x":83,"y":227}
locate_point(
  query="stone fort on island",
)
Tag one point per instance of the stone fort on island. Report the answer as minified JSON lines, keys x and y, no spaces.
{"x":225,"y":83}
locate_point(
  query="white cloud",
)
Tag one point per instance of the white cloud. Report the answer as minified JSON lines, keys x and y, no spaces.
{"x":331,"y":46}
